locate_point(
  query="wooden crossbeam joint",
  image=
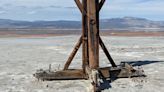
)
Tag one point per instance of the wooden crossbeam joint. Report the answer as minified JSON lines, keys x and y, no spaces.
{"x":80,"y":6}
{"x":101,"y":4}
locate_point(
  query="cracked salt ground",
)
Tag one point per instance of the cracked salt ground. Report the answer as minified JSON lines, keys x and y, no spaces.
{"x":21,"y":57}
{"x":130,"y":85}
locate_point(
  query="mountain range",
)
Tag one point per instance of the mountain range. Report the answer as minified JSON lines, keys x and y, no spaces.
{"x":113,"y":23}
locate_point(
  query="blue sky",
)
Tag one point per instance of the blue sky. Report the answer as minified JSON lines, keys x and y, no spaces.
{"x":66,"y":9}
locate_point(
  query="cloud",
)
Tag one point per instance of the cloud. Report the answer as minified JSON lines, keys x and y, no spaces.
{"x":54,"y":6}
{"x":1,"y":8}
{"x":7,"y":4}
{"x":2,"y":12}
{"x":70,"y":7}
{"x":147,"y":1}
{"x":38,"y":7}
{"x":61,"y":8}
{"x":147,"y":9}
{"x":32,"y":12}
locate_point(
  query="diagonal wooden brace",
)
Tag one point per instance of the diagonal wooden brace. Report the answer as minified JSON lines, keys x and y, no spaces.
{"x":101,"y":4}
{"x":77,"y":46}
{"x":80,"y":6}
{"x":106,"y":52}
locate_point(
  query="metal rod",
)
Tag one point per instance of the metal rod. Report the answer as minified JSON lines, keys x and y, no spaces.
{"x":77,"y":46}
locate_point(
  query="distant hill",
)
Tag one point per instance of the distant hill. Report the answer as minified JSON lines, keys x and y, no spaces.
{"x":113,"y":23}
{"x":131,"y":22}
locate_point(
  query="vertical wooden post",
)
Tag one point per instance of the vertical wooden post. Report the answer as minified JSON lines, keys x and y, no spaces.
{"x":93,"y":33}
{"x":85,"y":56}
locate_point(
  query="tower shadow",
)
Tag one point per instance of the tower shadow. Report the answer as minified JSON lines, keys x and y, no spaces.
{"x":141,"y":63}
{"x":106,"y":83}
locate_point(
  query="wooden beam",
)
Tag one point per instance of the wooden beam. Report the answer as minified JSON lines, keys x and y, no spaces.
{"x":93,"y":39}
{"x":93,"y":34}
{"x":81,"y":7}
{"x":76,"y":48}
{"x":85,"y":56}
{"x":106,"y":72}
{"x":101,"y":4}
{"x":106,"y":52}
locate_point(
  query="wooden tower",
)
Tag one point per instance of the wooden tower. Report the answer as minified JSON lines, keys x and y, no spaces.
{"x":90,"y":41}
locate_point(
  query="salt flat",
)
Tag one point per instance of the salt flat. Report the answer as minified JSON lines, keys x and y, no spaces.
{"x":21,"y":57}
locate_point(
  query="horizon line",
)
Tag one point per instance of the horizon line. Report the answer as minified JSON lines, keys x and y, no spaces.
{"x":79,"y":19}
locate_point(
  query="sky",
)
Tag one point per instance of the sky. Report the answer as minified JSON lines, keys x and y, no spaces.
{"x":33,"y":10}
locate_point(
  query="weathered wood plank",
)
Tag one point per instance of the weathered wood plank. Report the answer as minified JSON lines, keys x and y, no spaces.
{"x":76,"y":48}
